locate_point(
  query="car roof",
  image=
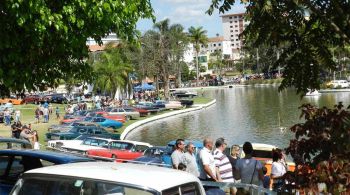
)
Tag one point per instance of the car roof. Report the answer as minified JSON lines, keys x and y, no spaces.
{"x":135,"y":142}
{"x":259,"y":146}
{"x":133,"y":174}
{"x":55,"y":157}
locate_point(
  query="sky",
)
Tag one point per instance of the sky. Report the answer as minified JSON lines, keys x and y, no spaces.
{"x":188,"y":13}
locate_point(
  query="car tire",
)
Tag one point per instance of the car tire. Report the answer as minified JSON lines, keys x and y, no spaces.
{"x":114,"y":156}
{"x":128,"y":117}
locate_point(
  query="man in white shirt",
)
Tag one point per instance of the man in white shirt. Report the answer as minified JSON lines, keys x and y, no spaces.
{"x":207,"y":162}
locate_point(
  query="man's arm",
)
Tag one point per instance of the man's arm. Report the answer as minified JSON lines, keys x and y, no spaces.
{"x":209,"y":172}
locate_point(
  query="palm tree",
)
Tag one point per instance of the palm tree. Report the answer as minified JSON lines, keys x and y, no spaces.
{"x":198,"y":37}
{"x":112,"y":70}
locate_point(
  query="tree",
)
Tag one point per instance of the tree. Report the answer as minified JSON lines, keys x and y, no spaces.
{"x":163,"y":50}
{"x":198,"y":37}
{"x":44,"y":41}
{"x":112,"y":70}
{"x":307,"y":30}
{"x":322,"y":144}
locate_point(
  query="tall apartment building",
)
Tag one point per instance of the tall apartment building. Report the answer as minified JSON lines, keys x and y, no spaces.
{"x":233,"y":26}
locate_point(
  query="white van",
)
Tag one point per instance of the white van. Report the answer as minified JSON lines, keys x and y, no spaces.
{"x":106,"y":178}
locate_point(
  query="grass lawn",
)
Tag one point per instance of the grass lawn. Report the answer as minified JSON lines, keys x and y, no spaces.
{"x":201,"y":100}
{"x":27,"y":116}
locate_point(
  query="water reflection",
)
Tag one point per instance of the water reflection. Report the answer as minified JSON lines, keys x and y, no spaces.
{"x":240,"y":114}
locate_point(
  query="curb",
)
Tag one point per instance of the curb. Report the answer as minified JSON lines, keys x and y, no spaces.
{"x":140,"y":123}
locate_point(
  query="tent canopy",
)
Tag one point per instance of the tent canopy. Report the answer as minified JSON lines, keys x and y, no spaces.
{"x":144,"y":87}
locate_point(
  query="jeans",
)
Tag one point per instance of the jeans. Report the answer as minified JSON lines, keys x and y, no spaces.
{"x":7,"y":120}
{"x":46,"y":118}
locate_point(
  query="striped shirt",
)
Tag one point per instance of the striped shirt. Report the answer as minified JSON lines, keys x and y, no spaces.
{"x":224,"y":166}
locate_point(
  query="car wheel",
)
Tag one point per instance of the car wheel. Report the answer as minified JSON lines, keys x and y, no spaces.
{"x":114,"y":156}
{"x":128,"y":117}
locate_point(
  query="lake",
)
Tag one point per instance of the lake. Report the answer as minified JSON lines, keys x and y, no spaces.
{"x":250,"y":113}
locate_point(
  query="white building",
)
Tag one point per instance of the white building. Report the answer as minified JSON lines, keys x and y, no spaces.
{"x":233,"y":26}
{"x":219,"y":44}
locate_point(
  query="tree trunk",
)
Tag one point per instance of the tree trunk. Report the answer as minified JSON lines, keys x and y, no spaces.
{"x":197,"y":68}
{"x":166,"y":85}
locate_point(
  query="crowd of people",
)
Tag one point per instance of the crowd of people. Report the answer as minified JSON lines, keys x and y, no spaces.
{"x":212,"y":164}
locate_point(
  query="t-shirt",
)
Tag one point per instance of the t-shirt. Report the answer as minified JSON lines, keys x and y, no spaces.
{"x":191,"y":163}
{"x":246,"y":169}
{"x":206,"y":158}
{"x":278,"y":169}
{"x":46,"y":111}
{"x":177,"y":157}
{"x":224,"y":166}
{"x":233,"y":162}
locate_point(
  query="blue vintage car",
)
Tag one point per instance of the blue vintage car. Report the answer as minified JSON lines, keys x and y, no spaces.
{"x":15,"y":162}
{"x":156,"y":155}
{"x":104,"y":122}
{"x":80,"y":130}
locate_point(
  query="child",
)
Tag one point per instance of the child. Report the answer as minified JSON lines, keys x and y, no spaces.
{"x":36,"y":145}
{"x":267,"y":180}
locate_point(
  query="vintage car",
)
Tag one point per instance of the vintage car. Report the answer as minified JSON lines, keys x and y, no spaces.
{"x":79,"y":130}
{"x":173,"y":105}
{"x":16,"y":162}
{"x":121,"y":118}
{"x":105,"y":122}
{"x":129,"y":113}
{"x":14,"y":101}
{"x":107,"y":178}
{"x":68,"y":126}
{"x":183,"y":93}
{"x":57,"y":144}
{"x":148,"y":106}
{"x":155,"y":155}
{"x":13,"y":143}
{"x":121,"y":150}
{"x":33,"y":99}
{"x":143,"y":112}
{"x":89,"y":143}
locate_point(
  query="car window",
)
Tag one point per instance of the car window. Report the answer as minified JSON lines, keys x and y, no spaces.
{"x":94,"y":142}
{"x":87,"y":141}
{"x":121,"y":146}
{"x":82,"y":130}
{"x":185,"y":189}
{"x":102,"y":142}
{"x":72,"y":186}
{"x":141,"y":148}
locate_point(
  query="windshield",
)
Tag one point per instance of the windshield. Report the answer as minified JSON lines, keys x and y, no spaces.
{"x":63,"y":185}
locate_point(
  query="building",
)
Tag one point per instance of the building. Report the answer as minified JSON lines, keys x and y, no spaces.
{"x":233,"y":25}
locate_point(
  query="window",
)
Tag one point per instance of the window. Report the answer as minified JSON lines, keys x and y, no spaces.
{"x":231,"y":31}
{"x":232,"y":44}
{"x":231,"y":35}
{"x":236,"y":26}
{"x":214,"y":45}
{"x":230,"y":17}
{"x":236,"y":21}
{"x":236,"y":39}
{"x":121,"y":145}
{"x":185,"y":189}
{"x":82,"y":130}
{"x":231,"y":26}
{"x":219,"y":49}
{"x":40,"y":185}
{"x":219,"y":44}
{"x":231,"y":22}
{"x":236,"y":30}
{"x":141,"y":148}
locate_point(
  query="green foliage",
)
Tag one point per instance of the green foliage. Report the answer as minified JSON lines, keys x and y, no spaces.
{"x":44,"y":41}
{"x":202,"y":69}
{"x":306,"y":29}
{"x":198,"y":37}
{"x":112,"y":70}
{"x":321,"y":144}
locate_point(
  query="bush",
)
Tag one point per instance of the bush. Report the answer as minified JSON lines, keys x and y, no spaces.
{"x":321,"y":150}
